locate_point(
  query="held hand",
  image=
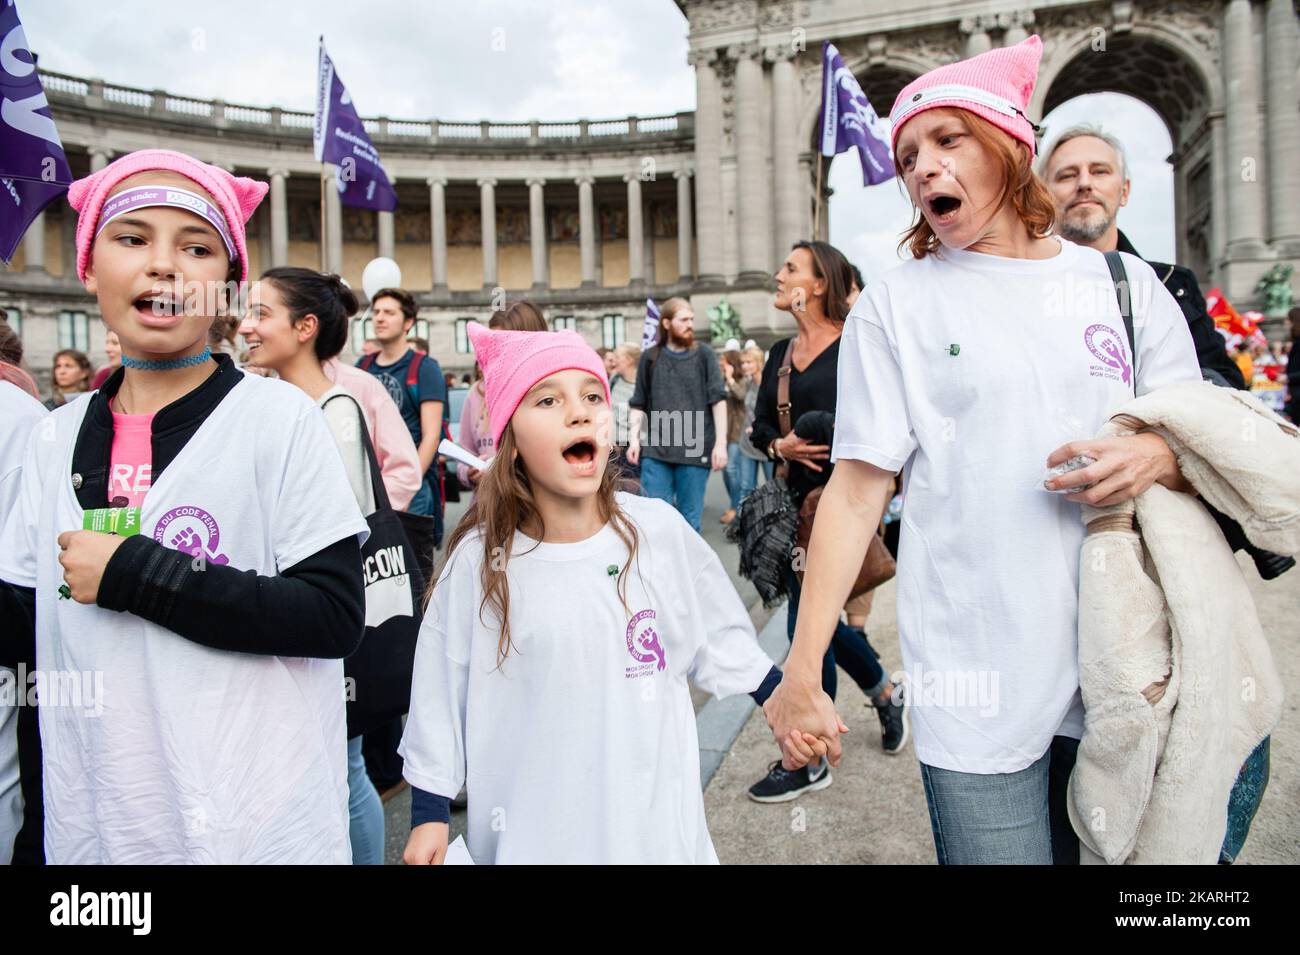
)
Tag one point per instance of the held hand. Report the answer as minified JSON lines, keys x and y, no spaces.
{"x":427,"y":844}
{"x":1124,"y":468}
{"x":718,"y":459}
{"x":633,"y":452}
{"x":794,"y":448}
{"x":804,"y":722}
{"x":84,"y":555}
{"x":474,"y":475}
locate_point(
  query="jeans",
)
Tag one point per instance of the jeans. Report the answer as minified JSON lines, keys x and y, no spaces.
{"x":741,"y":474}
{"x":849,"y":648}
{"x":428,"y":501}
{"x":681,"y":485}
{"x":1243,"y":801}
{"x":1015,"y":818}
{"x":365,"y":811}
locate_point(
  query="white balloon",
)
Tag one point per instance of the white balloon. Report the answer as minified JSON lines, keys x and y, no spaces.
{"x":380,"y":273}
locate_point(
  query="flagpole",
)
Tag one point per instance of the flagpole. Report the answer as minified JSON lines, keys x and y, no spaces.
{"x":817,"y":200}
{"x":324,"y":245}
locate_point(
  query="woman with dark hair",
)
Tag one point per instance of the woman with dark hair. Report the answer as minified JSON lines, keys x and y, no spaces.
{"x":297,"y":320}
{"x":69,"y":377}
{"x":813,"y":286}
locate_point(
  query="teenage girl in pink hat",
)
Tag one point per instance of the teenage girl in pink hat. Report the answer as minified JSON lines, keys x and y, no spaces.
{"x":551,"y":673}
{"x":975,"y":367}
{"x":205,"y":589}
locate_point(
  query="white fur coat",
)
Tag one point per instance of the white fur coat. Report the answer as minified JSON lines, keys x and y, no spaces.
{"x":1178,"y":683}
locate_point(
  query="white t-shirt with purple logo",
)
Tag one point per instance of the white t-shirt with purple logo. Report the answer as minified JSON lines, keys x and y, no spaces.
{"x":969,"y":370}
{"x":159,"y":750}
{"x":581,"y":747}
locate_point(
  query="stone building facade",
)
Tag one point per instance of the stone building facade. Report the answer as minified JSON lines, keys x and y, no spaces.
{"x":589,"y":217}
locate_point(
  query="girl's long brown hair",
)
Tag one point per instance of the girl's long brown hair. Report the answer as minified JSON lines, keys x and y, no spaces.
{"x":1032,"y":201}
{"x":504,"y":504}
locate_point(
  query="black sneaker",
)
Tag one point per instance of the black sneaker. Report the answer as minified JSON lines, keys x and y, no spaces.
{"x":894,"y":729}
{"x":782,"y":785}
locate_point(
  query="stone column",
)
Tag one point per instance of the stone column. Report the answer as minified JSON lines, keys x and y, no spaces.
{"x":977,"y":35}
{"x":754,"y":220}
{"x":1245,"y":148}
{"x":635,"y":231}
{"x":785,"y":148}
{"x":99,"y":158}
{"x":334,"y":224}
{"x":587,"y":230}
{"x":384,"y":233}
{"x":488,"y":216}
{"x":1281,"y":52}
{"x":438,"y":230}
{"x":648,"y":243}
{"x":537,"y":233}
{"x":685,"y":263}
{"x":279,"y":217}
{"x":708,"y":164}
{"x":34,"y":245}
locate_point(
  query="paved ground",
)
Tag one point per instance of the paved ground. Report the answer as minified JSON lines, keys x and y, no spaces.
{"x":875,"y":810}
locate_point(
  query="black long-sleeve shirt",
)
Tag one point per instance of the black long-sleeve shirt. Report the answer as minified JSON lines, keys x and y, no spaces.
{"x":813,"y":389}
{"x":316,"y":608}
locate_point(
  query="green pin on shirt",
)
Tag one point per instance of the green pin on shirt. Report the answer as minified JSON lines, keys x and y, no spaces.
{"x":612,"y":570}
{"x":954,"y":350}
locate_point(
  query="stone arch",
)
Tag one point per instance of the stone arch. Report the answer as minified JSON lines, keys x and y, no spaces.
{"x":1177,"y":85}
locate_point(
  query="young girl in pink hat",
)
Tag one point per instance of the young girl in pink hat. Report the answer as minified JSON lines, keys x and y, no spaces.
{"x":202,"y":591}
{"x":551,"y":673}
{"x":973,"y":366}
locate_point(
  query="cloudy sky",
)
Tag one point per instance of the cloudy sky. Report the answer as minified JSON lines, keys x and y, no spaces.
{"x":496,"y":59}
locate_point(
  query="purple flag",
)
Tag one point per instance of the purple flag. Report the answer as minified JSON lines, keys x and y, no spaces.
{"x":848,"y":120}
{"x":650,"y":330}
{"x":33,"y":170}
{"x":340,"y":138}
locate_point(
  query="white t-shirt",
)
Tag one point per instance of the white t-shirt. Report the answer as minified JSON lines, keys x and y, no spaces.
{"x":19,"y":413}
{"x":969,"y":370}
{"x":581,"y":747}
{"x":178,"y":752}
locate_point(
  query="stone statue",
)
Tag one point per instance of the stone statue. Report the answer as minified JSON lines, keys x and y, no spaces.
{"x":724,"y":322}
{"x":1275,"y":289}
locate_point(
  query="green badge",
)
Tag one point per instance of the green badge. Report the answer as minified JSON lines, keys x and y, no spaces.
{"x":122,"y":521}
{"x":954,"y":350}
{"x":612,"y":570}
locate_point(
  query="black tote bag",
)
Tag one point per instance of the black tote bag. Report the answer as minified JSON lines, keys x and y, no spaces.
{"x":379,"y":672}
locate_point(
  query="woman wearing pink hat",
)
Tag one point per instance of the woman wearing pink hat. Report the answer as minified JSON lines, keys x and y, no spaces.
{"x":976,"y":365}
{"x":210,"y":586}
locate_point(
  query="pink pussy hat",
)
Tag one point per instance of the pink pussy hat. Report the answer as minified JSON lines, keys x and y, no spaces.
{"x":515,"y":361}
{"x":995,"y":86}
{"x":236,"y":197}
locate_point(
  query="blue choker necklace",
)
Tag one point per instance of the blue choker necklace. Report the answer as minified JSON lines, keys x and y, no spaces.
{"x":167,"y":364}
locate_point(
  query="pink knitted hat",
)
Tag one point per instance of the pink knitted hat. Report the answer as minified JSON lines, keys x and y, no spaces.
{"x":515,"y":361}
{"x":995,"y":86}
{"x":236,"y":196}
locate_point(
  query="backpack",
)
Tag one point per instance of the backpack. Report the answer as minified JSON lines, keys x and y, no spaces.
{"x":412,"y":374}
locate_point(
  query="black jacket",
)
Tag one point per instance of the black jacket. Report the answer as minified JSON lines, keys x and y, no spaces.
{"x":1211,"y":352}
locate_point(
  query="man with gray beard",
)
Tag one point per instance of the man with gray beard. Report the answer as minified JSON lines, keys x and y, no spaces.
{"x":1087,"y":173}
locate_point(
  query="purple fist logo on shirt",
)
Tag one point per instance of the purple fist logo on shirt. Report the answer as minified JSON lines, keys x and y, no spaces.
{"x":1105,"y":346}
{"x":191,"y":530}
{"x":644,"y":646}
